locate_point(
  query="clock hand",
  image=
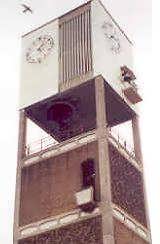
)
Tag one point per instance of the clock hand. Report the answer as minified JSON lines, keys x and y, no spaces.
{"x":39,"y":48}
{"x":42,"y":51}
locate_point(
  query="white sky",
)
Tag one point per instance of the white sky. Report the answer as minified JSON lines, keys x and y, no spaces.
{"x":135,"y":19}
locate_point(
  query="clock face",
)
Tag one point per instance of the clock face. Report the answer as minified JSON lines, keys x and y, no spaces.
{"x":40,"y":49}
{"x":111,"y":35}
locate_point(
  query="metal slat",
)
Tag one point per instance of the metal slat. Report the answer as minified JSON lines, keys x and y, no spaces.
{"x":83,"y":43}
{"x":86,"y":43}
{"x":67,"y":52}
{"x":72,"y":47}
{"x":80,"y":45}
{"x":64,"y":52}
{"x":89,"y":40}
{"x":75,"y":47}
{"x":61,"y":53}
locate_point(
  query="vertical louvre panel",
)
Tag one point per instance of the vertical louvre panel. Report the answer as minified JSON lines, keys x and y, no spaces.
{"x":75,"y":46}
{"x":89,"y":41}
{"x":78,"y":45}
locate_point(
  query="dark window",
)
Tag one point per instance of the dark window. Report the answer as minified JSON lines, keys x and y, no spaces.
{"x":88,"y":173}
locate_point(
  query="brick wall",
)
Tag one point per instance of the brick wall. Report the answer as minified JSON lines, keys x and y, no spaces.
{"x":48,"y":187}
{"x":127,"y":186}
{"x":123,"y":235}
{"x":84,"y":232}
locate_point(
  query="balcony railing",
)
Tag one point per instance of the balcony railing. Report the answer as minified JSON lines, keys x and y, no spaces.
{"x":122,"y":143}
{"x":49,"y":142}
{"x":40,"y":145}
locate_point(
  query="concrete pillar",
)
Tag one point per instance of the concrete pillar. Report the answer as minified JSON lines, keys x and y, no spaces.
{"x":21,"y":154}
{"x":139,"y":156}
{"x":136,"y":138}
{"x":104,"y":164}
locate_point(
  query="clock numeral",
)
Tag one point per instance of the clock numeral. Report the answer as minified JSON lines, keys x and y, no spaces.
{"x":110,"y":33}
{"x":40,"y":48}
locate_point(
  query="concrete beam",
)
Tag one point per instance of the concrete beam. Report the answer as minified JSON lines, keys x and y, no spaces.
{"x":104,"y":164}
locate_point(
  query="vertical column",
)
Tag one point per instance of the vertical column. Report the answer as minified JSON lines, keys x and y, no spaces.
{"x":136,"y":138}
{"x":104,"y":164}
{"x":21,"y":154}
{"x":138,"y":153}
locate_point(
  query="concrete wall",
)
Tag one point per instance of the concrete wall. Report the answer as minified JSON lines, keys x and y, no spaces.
{"x":39,"y":80}
{"x":105,"y":61}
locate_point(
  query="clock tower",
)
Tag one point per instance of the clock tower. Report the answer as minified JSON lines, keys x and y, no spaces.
{"x":81,"y":183}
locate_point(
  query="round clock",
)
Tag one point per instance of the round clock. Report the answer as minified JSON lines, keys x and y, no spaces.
{"x":39,"y":49}
{"x":110,"y":33}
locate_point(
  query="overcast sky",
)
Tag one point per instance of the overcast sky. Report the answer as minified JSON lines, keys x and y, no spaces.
{"x":135,"y":18}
